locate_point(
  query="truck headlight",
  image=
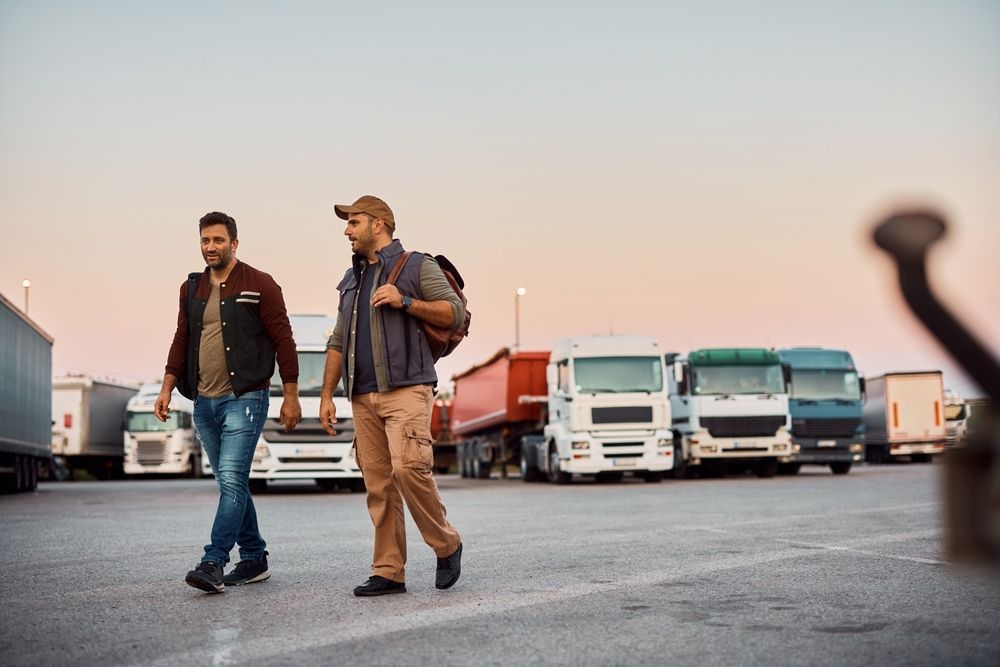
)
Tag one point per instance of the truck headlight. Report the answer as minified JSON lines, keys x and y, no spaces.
{"x":857,"y":447}
{"x":261,"y":453}
{"x":663,"y":442}
{"x":581,"y":444}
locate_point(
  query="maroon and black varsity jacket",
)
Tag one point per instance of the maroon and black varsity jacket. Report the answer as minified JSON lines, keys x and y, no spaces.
{"x":255,"y":328}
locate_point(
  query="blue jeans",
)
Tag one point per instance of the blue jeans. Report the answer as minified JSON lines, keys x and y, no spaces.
{"x":228,"y":428}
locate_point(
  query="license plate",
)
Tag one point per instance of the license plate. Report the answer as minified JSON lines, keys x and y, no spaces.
{"x":622,"y":462}
{"x":310,"y":451}
{"x":827,"y":443}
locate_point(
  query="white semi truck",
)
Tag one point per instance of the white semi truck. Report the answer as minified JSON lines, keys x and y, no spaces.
{"x":956,"y":416}
{"x":153,"y":447}
{"x":87,"y":425}
{"x":308,"y":452}
{"x":598,"y":409}
{"x":904,"y":416}
{"x":730,"y":409}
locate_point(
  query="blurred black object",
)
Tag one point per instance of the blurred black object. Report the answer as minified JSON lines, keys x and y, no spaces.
{"x":972,"y":473}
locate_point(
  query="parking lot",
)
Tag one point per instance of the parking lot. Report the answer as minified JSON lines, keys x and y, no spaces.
{"x":812,"y":569}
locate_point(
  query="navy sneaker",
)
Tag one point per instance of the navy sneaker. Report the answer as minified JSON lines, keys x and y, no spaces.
{"x":207,"y":576}
{"x":248,"y":572}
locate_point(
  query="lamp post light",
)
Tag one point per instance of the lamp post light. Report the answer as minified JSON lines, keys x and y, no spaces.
{"x":25,"y":284}
{"x":517,"y":317}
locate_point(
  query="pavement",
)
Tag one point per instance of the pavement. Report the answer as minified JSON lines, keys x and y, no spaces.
{"x":814,"y":569}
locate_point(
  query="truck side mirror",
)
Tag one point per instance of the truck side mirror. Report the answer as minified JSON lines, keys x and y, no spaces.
{"x":861,"y":385}
{"x":786,"y":372}
{"x":680,"y":377}
{"x":551,"y":375}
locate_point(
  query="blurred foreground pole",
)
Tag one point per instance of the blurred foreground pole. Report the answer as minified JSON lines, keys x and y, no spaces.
{"x":972,"y":473}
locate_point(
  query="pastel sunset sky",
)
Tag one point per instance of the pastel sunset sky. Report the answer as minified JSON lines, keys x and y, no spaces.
{"x":704,"y":172}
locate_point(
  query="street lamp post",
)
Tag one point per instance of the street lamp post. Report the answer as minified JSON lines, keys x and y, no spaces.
{"x":25,"y":284}
{"x":517,"y":317}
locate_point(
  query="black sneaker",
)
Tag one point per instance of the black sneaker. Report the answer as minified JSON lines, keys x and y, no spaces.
{"x":449,"y":569}
{"x":248,"y":572}
{"x":207,"y":576}
{"x":377,"y":585}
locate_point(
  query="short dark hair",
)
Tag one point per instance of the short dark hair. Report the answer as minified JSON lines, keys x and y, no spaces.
{"x":217,"y":218}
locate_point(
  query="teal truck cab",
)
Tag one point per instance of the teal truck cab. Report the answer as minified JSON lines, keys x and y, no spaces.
{"x":825,"y":402}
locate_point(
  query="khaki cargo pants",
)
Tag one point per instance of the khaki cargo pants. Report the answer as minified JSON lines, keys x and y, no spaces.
{"x":393,"y":449}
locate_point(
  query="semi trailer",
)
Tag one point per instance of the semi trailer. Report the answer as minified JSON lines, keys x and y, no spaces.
{"x":25,"y":400}
{"x":87,"y":431}
{"x":904,"y":416}
{"x":594,"y":406}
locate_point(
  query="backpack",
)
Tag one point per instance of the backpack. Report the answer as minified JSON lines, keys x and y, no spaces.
{"x":442,"y":340}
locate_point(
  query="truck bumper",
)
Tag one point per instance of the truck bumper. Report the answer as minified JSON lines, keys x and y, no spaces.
{"x":909,"y":448}
{"x":303,"y":461}
{"x":824,"y":451}
{"x":703,"y":447}
{"x":605,"y":454}
{"x":178,"y":468}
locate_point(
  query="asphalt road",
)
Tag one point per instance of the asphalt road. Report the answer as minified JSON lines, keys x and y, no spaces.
{"x":812,"y":570}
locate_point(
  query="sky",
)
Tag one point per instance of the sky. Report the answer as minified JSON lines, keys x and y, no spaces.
{"x":705,"y":172}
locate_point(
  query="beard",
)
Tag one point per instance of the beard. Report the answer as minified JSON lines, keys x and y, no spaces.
{"x":221,"y":259}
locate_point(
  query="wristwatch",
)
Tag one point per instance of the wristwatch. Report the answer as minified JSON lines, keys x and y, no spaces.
{"x":407,"y":302}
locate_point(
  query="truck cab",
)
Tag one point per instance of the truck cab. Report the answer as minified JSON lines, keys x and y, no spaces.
{"x":155,"y":447}
{"x":729,"y":406}
{"x":825,"y":402}
{"x":956,"y":415}
{"x":308,"y":452}
{"x":607,"y":409}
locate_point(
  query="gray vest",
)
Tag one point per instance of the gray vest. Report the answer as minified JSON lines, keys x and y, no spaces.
{"x":407,"y":356}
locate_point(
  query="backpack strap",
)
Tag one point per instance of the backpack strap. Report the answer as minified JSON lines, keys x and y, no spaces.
{"x":397,"y":268}
{"x":194,"y":279}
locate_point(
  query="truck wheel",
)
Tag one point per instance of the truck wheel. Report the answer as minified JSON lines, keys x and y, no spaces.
{"x":258,"y":486}
{"x":481,"y":469}
{"x":840,"y":467}
{"x":529,"y":473}
{"x":463,"y":461}
{"x":556,"y":475}
{"x":32,"y":474}
{"x":20,"y":474}
{"x":767,"y":468}
{"x":789,"y":468}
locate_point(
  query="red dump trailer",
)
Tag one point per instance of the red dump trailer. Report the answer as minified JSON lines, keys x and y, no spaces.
{"x":496,"y":403}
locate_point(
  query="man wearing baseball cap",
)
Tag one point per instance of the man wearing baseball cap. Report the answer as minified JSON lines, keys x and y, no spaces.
{"x":380,"y":353}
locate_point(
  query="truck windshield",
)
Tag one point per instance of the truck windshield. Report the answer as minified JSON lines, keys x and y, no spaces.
{"x":953,"y":412}
{"x":145,"y":422}
{"x":613,"y":375}
{"x":825,"y":385}
{"x":311,"y":366}
{"x":738,"y":380}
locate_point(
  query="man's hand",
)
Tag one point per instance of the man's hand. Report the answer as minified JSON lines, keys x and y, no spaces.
{"x":161,"y":409}
{"x":387,"y":295}
{"x":328,"y":415}
{"x":291,"y":413}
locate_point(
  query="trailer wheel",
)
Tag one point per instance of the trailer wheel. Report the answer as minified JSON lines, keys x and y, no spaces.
{"x":767,"y":468}
{"x":20,"y":474}
{"x":840,"y":467}
{"x":556,"y":475}
{"x":32,"y":474}
{"x":480,"y":468}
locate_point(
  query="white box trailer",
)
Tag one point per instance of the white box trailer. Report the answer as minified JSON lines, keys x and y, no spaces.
{"x":904,"y":416}
{"x":88,"y":416}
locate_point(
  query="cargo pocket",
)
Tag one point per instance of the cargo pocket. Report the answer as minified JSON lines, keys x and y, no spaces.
{"x":417,"y":446}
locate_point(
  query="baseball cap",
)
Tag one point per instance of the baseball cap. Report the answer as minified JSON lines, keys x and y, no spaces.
{"x":369,"y":204}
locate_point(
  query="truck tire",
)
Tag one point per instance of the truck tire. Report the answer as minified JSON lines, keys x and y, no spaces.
{"x":767,"y":468}
{"x":32,"y":473}
{"x":529,"y":471}
{"x":20,"y":474}
{"x":258,"y":486}
{"x":556,"y":475}
{"x":840,"y":467}
{"x":481,"y":469}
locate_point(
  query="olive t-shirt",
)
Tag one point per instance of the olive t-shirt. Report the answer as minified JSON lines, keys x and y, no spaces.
{"x":213,"y":372}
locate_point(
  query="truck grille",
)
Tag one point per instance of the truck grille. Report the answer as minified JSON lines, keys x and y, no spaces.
{"x":825,"y":428}
{"x":731,"y":427}
{"x":308,"y":430}
{"x":631,"y":414}
{"x":150,"y":453}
